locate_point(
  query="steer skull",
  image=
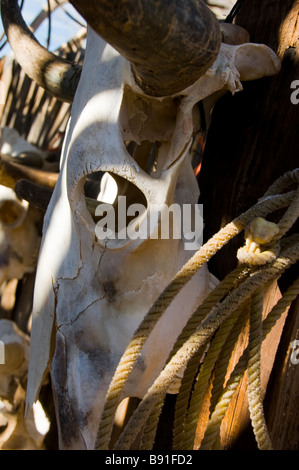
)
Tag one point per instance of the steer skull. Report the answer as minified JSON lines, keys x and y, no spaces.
{"x":92,"y":292}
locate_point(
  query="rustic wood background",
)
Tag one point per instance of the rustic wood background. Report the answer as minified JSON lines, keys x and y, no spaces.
{"x":253,"y":140}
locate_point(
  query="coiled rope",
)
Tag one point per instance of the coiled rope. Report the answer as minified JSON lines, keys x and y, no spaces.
{"x":265,"y":256}
{"x":213,"y":429}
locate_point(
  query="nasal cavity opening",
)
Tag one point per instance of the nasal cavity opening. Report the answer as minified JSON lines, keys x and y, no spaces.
{"x":114,"y":203}
{"x":123,"y":200}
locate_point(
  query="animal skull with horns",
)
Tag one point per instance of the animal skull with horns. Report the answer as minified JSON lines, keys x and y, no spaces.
{"x":134,"y":115}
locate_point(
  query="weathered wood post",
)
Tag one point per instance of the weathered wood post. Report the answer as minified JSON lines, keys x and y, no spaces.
{"x":252,"y":141}
{"x":254,"y":135}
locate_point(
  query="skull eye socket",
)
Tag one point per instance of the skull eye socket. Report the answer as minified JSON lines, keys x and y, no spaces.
{"x":12,"y":213}
{"x":113,"y":191}
{"x":108,"y":187}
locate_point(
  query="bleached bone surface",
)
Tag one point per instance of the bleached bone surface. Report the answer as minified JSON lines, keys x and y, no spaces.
{"x":220,"y":8}
{"x":13,"y":145}
{"x":90,"y":295}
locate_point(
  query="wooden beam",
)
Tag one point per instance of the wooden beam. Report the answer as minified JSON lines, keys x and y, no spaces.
{"x":254,"y":135}
{"x":252,"y":141}
{"x":281,"y":402}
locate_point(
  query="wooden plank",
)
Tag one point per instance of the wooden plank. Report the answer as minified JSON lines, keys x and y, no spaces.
{"x":37,"y":116}
{"x":281,"y":403}
{"x":254,"y":135}
{"x":252,"y":141}
{"x":237,"y":418}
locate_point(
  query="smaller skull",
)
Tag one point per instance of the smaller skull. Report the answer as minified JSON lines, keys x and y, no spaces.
{"x":19,"y":149}
{"x":19,"y":236}
{"x":16,"y":431}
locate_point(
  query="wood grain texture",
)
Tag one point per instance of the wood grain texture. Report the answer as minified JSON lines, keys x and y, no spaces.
{"x":281,"y":403}
{"x":254,"y":135}
{"x":253,"y":140}
{"x":236,"y":422}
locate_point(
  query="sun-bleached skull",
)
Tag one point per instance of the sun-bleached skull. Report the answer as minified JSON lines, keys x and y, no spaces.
{"x":94,"y":293}
{"x":93,"y":290}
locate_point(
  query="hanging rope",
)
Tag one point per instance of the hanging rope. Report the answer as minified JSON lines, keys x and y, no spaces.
{"x":201,"y":339}
{"x":231,"y":281}
{"x":213,"y":429}
{"x":204,"y":376}
{"x":201,"y":329}
{"x":254,"y":373}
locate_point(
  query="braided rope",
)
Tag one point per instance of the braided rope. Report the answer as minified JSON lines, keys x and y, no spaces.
{"x":283,"y":303}
{"x":204,"y":377}
{"x":182,"y":401}
{"x":213,"y":429}
{"x":131,"y":354}
{"x":200,"y":339}
{"x":222,"y":364}
{"x":231,"y":281}
{"x":258,"y":258}
{"x":212,"y":433}
{"x":255,"y":401}
{"x":290,"y":216}
{"x":149,"y":431}
{"x":219,"y":292}
{"x":282,"y":183}
{"x":268,"y":204}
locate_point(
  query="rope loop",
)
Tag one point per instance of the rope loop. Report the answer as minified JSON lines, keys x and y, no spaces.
{"x":204,"y":347}
{"x":260,"y":245}
{"x":261,"y":236}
